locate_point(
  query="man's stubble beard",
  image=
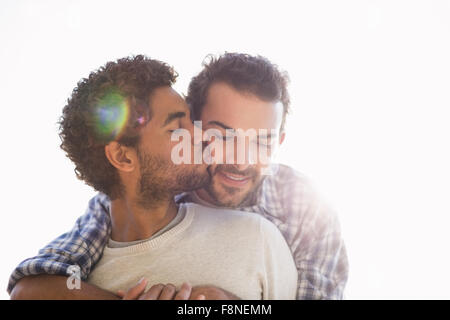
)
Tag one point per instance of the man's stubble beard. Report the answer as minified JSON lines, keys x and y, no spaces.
{"x":247,"y":198}
{"x":161,"y":180}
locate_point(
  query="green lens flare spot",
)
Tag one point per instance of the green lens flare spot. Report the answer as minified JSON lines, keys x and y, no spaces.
{"x":111,"y":116}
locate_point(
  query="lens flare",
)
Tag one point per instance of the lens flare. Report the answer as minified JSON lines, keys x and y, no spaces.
{"x":110,"y":116}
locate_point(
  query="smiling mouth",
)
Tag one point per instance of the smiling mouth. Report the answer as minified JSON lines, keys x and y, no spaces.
{"x":233,"y":179}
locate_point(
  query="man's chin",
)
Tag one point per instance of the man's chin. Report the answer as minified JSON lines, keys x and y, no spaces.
{"x":232,"y":199}
{"x":231,"y":204}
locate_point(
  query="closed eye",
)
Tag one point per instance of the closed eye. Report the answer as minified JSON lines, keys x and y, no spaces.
{"x":223,"y":137}
{"x":175,"y":130}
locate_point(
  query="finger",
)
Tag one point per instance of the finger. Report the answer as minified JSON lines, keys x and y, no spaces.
{"x":121,"y":293}
{"x":200,"y":297}
{"x":153,"y":293}
{"x":185,"y":292}
{"x":168,"y":292}
{"x":134,"y":292}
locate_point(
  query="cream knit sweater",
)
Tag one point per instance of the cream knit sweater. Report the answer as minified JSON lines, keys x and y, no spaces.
{"x":240,"y":252}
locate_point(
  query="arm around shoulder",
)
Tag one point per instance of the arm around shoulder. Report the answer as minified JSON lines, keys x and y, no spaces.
{"x":51,"y":287}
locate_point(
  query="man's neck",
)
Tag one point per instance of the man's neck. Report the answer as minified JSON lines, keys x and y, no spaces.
{"x":202,"y":197}
{"x":131,"y":222}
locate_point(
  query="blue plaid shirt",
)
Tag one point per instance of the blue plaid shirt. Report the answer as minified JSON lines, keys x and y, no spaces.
{"x":287,"y":199}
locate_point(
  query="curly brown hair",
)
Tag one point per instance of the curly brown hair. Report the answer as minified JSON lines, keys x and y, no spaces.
{"x":253,"y":74}
{"x":112,"y":104}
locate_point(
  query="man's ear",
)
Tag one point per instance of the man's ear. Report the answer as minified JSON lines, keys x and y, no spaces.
{"x":121,"y":157}
{"x":282,"y":136}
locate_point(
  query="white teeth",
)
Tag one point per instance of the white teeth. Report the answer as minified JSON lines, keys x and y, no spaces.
{"x":234,"y":178}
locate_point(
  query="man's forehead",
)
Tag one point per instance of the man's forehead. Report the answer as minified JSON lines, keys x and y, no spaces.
{"x":163,"y":94}
{"x":166,"y":100}
{"x":260,"y":115}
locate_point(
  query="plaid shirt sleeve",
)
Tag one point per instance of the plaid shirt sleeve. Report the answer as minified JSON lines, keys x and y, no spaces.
{"x":319,"y":251}
{"x":312,"y":231}
{"x":322,"y":264}
{"x":82,"y":246}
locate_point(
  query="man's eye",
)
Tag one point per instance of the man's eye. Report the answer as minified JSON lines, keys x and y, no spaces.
{"x":227,"y":138}
{"x":223,"y":137}
{"x":263,"y":142}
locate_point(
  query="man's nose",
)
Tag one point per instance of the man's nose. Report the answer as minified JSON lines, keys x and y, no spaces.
{"x":242,"y":167}
{"x":196,"y":132}
{"x":243,"y":154}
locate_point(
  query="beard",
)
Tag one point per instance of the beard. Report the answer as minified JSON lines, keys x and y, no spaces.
{"x":233,"y":197}
{"x":161,"y":180}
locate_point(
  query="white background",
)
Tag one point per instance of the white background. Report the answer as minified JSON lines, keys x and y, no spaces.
{"x":370,"y":91}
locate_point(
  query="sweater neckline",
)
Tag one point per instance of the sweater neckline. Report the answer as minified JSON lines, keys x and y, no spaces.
{"x":160,"y":240}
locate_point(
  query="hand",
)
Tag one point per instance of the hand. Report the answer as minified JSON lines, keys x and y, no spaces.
{"x":158,"y":292}
{"x":212,"y":293}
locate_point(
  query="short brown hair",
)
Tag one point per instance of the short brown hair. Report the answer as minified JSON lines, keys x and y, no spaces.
{"x":130,"y":81}
{"x":253,"y":74}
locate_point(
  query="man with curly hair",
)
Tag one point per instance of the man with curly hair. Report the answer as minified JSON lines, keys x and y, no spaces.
{"x":117,"y":129}
{"x":235,"y":91}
